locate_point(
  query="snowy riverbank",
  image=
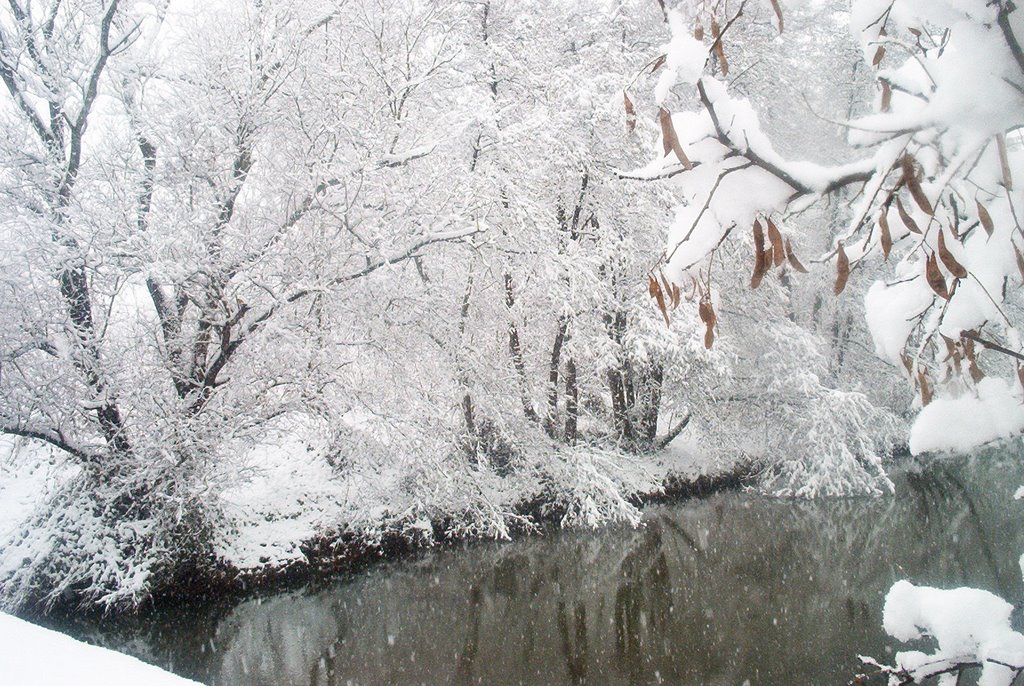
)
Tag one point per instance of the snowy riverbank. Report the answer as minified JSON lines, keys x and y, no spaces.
{"x":291,"y":513}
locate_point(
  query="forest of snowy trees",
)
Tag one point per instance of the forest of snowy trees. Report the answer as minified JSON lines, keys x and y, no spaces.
{"x":282,"y":275}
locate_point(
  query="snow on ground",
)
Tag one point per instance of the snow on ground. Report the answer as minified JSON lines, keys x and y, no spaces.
{"x":34,"y":656}
{"x":289,"y":496}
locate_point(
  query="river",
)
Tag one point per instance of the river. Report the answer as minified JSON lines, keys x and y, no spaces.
{"x":731,"y":589}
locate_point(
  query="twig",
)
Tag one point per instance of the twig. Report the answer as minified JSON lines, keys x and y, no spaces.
{"x":991,"y":346}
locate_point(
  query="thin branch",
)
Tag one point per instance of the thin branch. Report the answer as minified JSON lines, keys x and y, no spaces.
{"x":799,"y":187}
{"x":707,"y":204}
{"x":721,"y":34}
{"x":991,"y":346}
{"x":675,"y":431}
{"x":88,"y":98}
{"x":10,"y":78}
{"x":1003,"y":19}
{"x":228,"y":349}
{"x":311,"y":201}
{"x":54,"y":439}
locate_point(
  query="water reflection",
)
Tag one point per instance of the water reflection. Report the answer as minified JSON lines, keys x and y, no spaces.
{"x":726,"y":590}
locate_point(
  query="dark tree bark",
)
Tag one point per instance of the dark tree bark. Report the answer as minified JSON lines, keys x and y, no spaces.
{"x":515,"y":349}
{"x":551,"y":420}
{"x":572,"y":402}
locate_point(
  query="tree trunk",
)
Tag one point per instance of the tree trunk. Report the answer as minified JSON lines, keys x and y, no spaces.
{"x":74,"y":287}
{"x":650,"y":407}
{"x":572,"y":402}
{"x":551,"y":421}
{"x":618,"y":384}
{"x":516,"y":351}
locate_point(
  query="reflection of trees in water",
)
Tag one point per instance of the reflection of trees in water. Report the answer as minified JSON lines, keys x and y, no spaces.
{"x":574,"y":649}
{"x":468,"y":655}
{"x":954,"y":495}
{"x":285,"y":640}
{"x":713,"y":591}
{"x":643,"y":602}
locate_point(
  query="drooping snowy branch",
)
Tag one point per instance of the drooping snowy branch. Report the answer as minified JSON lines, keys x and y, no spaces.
{"x":932,"y":189}
{"x":971,"y":629}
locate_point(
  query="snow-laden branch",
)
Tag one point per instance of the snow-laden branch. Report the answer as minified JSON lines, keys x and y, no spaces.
{"x":399,"y":159}
{"x":805,"y":178}
{"x":253,"y":324}
{"x":935,"y":195}
{"x":312,"y":200}
{"x":970,"y":627}
{"x":53,"y":438}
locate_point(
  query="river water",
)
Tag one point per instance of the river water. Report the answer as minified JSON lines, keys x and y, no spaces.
{"x":731,"y":589}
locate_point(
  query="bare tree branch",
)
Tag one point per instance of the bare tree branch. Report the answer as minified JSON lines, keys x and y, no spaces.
{"x":53,"y":438}
{"x":229,"y":348}
{"x":674,"y":431}
{"x":971,"y":335}
{"x":1003,"y":19}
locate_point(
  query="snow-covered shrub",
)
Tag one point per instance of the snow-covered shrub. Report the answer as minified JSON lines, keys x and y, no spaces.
{"x":107,"y":542}
{"x":836,"y":446}
{"x":590,"y":487}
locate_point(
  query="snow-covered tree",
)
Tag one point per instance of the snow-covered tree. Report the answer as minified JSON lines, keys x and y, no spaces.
{"x":184,"y":208}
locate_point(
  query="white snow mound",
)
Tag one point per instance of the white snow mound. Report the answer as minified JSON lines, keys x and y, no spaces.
{"x":34,"y":656}
{"x":968,"y":624}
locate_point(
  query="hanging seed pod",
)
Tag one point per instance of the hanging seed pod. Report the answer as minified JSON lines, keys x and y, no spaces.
{"x":670,"y":141}
{"x":666,"y":285}
{"x":926,"y":391}
{"x":954,"y":267}
{"x":879,"y":54}
{"x":886,"y":235}
{"x":716,"y":33}
{"x":950,"y":346}
{"x":707,"y":315}
{"x":908,"y":364}
{"x":935,"y":278}
{"x":842,"y":270}
{"x":1020,"y":261}
{"x":905,"y":217}
{"x":985,"y":218}
{"x":660,"y":297}
{"x":775,"y":237}
{"x":794,"y":262}
{"x":1004,"y":161}
{"x":760,"y":263}
{"x":630,"y":112}
{"x":778,"y":13}
{"x":914,"y":186}
{"x":972,"y":359}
